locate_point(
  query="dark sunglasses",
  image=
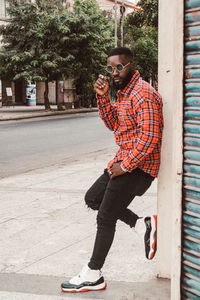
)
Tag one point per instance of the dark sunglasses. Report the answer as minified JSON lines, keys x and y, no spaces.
{"x":118,"y":67}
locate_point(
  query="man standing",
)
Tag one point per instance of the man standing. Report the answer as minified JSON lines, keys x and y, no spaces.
{"x":137,"y":122}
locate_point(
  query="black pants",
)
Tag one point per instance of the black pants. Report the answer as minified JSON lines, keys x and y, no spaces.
{"x":111,"y":198}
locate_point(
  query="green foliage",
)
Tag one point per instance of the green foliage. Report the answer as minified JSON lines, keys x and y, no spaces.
{"x":141,"y":35}
{"x":150,"y":12}
{"x":146,"y":56}
{"x":148,"y":15}
{"x":93,"y":34}
{"x":33,"y":46}
{"x":43,"y":41}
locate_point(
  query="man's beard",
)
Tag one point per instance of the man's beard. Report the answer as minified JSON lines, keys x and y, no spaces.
{"x":124,"y":83}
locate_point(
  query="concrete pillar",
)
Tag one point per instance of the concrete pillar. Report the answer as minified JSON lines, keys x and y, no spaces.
{"x":170,"y":81}
{"x":0,"y":94}
{"x":69,"y":93}
{"x":13,"y":91}
{"x":40,"y":92}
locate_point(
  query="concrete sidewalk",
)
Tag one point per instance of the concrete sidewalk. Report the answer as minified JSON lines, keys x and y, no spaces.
{"x":27,"y":112}
{"x":47,"y":235}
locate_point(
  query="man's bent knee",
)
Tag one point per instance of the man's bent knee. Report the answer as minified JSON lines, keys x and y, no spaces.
{"x":90,"y":202}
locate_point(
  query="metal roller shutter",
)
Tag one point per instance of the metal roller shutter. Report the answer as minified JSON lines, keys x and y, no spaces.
{"x":191,"y":178}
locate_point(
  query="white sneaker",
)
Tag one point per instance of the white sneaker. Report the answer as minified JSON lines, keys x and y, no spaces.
{"x":86,"y":280}
{"x":150,"y":237}
{"x":146,"y":228}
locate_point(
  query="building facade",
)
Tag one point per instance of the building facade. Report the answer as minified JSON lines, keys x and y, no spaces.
{"x":109,"y":6}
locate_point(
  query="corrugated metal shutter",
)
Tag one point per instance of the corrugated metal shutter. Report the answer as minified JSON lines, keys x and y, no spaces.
{"x":191,"y":177}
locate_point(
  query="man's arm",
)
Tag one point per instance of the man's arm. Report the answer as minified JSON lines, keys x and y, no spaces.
{"x":148,"y":120}
{"x":107,"y":111}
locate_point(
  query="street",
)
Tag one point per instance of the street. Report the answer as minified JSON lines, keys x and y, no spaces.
{"x":32,"y":144}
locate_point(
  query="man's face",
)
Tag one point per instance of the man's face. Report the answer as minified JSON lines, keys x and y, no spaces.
{"x":121,"y":79}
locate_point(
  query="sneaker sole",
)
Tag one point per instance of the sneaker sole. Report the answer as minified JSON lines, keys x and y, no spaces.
{"x":98,"y":287}
{"x":153,"y":237}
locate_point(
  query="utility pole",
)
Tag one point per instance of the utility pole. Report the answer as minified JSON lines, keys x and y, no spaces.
{"x":115,"y":23}
{"x":122,"y":11}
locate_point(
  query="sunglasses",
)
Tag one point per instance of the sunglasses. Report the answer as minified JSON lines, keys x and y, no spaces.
{"x":118,"y":67}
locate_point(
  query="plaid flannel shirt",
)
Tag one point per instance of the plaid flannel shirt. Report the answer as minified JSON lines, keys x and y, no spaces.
{"x":137,"y":121}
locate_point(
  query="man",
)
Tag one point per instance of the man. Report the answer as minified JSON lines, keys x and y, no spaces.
{"x":137,"y":121}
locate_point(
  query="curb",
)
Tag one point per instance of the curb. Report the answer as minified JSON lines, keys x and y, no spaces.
{"x":44,"y":114}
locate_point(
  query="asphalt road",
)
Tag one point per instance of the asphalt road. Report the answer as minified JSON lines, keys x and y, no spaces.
{"x":31,"y":144}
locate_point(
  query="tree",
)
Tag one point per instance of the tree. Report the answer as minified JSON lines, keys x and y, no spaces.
{"x":93,"y":38}
{"x":44,"y":42}
{"x":141,"y":34}
{"x":148,"y":15}
{"x":36,"y":46}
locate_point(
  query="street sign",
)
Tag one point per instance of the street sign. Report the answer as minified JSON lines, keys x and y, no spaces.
{"x":9,"y":91}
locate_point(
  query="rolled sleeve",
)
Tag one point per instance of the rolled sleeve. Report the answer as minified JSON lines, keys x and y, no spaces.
{"x":107,"y":111}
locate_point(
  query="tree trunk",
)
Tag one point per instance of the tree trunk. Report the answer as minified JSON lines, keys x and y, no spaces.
{"x":46,"y":96}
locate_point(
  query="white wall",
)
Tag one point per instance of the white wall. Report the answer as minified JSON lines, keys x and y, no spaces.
{"x":170,"y":176}
{"x":2,"y":9}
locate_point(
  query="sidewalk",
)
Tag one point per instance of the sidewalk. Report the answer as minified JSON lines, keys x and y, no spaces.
{"x":27,"y":112}
{"x":47,"y":235}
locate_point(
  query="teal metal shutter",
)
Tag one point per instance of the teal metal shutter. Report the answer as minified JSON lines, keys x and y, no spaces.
{"x":190,"y":281}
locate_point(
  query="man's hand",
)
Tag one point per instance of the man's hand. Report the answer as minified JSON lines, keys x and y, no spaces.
{"x":116,"y":170}
{"x":101,"y":86}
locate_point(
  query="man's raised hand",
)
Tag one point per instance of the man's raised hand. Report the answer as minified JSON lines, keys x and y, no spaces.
{"x":101,"y":86}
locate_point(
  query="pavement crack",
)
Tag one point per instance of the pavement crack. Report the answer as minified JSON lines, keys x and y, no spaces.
{"x":43,"y":190}
{"x":13,"y":219}
{"x":55,"y":252}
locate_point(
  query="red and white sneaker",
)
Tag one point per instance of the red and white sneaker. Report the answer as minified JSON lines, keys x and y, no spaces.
{"x":150,"y":237}
{"x":86,"y":280}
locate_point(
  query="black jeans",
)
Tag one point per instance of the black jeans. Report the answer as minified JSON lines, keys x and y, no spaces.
{"x":111,"y":198}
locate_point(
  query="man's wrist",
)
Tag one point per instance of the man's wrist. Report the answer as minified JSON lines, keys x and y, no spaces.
{"x":103,"y":95}
{"x":123,"y":169}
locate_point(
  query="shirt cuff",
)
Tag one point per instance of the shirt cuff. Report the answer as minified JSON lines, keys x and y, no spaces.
{"x":123,"y":169}
{"x":103,"y":98}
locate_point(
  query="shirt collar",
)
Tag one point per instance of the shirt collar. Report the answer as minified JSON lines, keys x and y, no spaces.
{"x":131,"y":83}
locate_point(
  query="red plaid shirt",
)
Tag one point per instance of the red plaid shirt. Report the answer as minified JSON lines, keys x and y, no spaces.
{"x":137,"y":121}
